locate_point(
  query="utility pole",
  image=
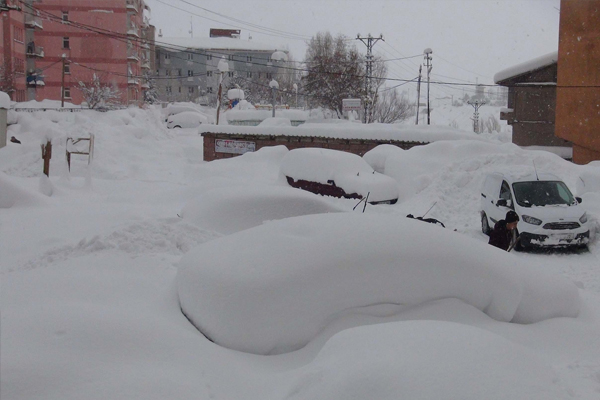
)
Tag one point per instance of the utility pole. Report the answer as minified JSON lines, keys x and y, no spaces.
{"x":427,"y":53}
{"x":419,"y":94}
{"x":369,"y":41}
{"x":476,"y":105}
{"x":62,"y":90}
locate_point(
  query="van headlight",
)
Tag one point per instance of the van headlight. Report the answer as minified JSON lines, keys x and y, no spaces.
{"x":532,"y":220}
{"x":583,"y":218}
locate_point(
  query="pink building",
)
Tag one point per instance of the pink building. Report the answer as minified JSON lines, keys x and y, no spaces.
{"x":71,"y":40}
{"x":12,"y":50}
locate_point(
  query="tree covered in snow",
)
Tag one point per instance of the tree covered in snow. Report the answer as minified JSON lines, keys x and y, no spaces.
{"x":98,"y":93}
{"x":151,"y":92}
{"x":334,"y":72}
{"x":7,"y":79}
{"x":391,"y":107}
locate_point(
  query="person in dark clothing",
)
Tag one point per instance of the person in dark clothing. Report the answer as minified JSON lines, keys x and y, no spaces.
{"x":505,"y":234}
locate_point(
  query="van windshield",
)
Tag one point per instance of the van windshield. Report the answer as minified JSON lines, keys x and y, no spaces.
{"x":542,"y":193}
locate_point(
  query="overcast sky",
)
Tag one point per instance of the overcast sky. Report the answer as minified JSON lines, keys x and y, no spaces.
{"x":470,"y":39}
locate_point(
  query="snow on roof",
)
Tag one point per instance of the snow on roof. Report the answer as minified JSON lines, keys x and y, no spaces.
{"x":4,"y":100}
{"x":349,"y":130}
{"x":528,"y":66}
{"x":220,"y":43}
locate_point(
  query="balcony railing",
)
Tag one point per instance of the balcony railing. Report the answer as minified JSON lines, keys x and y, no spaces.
{"x":32,"y":21}
{"x":35,"y":80}
{"x":132,"y":5}
{"x":132,"y":29}
{"x":133,"y":56}
{"x":34,"y":51}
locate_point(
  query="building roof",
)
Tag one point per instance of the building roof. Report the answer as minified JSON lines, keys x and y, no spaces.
{"x":218,"y":43}
{"x":527,"y":67}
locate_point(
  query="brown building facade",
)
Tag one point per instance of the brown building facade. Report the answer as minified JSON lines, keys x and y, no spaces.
{"x":578,"y":93}
{"x":532,"y":101}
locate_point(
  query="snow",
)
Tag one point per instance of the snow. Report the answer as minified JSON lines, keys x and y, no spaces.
{"x":275,"y":121}
{"x":89,"y":273}
{"x":244,"y":113}
{"x":346,"y":170}
{"x":244,"y":299}
{"x":235,"y":94}
{"x":350,"y":130}
{"x":4,"y":100}
{"x":187,"y":119}
{"x":528,"y":66}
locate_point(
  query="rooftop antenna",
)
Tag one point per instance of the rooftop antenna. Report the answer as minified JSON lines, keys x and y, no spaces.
{"x":535,"y":169}
{"x":191,"y":27}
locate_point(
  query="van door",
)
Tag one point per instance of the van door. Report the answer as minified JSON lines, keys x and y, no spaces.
{"x":499,"y":212}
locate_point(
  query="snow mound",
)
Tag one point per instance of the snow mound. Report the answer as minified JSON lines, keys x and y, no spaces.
{"x":276,"y":121}
{"x":276,"y":301}
{"x":426,"y":360}
{"x":232,"y":209}
{"x":11,"y":194}
{"x":4,"y":100}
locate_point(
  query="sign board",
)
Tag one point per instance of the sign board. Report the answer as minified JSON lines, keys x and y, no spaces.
{"x":351,"y":105}
{"x":234,"y":146}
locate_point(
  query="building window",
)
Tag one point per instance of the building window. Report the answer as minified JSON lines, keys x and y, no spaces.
{"x":19,"y":34}
{"x":19,"y":65}
{"x":269,"y":75}
{"x":65,"y":16}
{"x":248,"y":59}
{"x":67,"y":68}
{"x":167,"y":56}
{"x":248,"y":74}
{"x":230,"y":74}
{"x":259,"y":75}
{"x":209,"y":89}
{"x":190,"y":72}
{"x":66,"y":44}
{"x":167,"y":72}
{"x":191,"y":89}
{"x":20,"y":95}
{"x":169,"y":89}
{"x":179,"y":72}
{"x":209,"y":57}
{"x":190,"y":56}
{"x":209,"y":73}
{"x":67,"y":93}
{"x":230,"y":57}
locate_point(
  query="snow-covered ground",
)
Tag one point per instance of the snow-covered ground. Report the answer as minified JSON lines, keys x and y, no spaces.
{"x":352,"y":305}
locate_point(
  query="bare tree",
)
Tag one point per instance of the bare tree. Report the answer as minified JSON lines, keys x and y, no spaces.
{"x":98,"y":93}
{"x":335,"y":72}
{"x":491,"y":125}
{"x":392,"y":107}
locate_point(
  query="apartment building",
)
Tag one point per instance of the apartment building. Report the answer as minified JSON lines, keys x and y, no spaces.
{"x":187,"y":68}
{"x":67,"y":42}
{"x":12,"y":50}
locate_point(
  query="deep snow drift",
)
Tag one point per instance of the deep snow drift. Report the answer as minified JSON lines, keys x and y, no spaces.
{"x":89,"y":263}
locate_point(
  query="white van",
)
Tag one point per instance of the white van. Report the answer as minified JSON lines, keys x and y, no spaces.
{"x":549,"y":214}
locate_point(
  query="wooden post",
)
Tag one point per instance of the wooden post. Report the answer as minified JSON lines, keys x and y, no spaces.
{"x":47,"y":155}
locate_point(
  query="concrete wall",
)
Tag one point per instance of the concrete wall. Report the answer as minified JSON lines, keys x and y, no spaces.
{"x":578,"y":96}
{"x":355,"y":146}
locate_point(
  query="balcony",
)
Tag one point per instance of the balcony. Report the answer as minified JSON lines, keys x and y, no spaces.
{"x":33,"y":22}
{"x":145,"y":64}
{"x":35,"y":80}
{"x":133,"y":56}
{"x":34,"y":51}
{"x":132,"y":30}
{"x":133,"y":81}
{"x":132,"y":5}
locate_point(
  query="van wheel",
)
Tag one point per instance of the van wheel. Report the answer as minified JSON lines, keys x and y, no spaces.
{"x":177,"y":126}
{"x":485,"y":225}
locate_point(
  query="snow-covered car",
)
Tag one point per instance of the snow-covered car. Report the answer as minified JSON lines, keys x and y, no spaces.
{"x":550,"y":216}
{"x":187,"y":119}
{"x":337,"y":173}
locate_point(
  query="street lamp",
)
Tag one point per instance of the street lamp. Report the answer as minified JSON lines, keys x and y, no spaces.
{"x":274,"y":87}
{"x":223,"y":67}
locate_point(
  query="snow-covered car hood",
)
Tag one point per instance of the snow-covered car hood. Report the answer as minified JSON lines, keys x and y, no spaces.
{"x":554,"y":213}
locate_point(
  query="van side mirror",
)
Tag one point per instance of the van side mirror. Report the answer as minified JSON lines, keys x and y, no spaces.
{"x":579,"y":199}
